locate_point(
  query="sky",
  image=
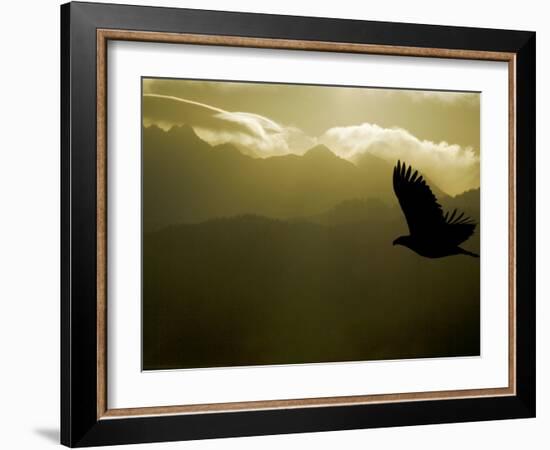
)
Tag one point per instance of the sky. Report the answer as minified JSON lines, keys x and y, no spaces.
{"x":437,"y":132}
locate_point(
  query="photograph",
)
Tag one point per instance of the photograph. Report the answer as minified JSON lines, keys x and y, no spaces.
{"x":299,"y":223}
{"x":278,"y":222}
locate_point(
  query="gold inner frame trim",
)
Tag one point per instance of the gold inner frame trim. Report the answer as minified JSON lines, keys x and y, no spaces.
{"x":103,"y":36}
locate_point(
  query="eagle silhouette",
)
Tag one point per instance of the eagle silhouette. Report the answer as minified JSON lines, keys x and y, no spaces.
{"x":432,"y":234}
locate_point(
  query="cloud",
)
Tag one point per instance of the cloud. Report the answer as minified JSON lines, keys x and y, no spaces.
{"x":448,"y":98}
{"x":468,"y":99}
{"x":452,"y":167}
{"x":259,"y":134}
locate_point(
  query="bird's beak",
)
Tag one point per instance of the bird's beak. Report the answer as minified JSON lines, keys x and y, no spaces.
{"x":395,"y":242}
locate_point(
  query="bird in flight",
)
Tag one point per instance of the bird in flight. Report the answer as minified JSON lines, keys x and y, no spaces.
{"x":432,"y":234}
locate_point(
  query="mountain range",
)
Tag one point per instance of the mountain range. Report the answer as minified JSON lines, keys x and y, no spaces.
{"x":186,"y":180}
{"x":289,"y":259}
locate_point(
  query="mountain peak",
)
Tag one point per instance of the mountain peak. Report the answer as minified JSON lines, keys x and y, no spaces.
{"x":184,"y":130}
{"x":320,"y":150}
{"x":366,"y":159}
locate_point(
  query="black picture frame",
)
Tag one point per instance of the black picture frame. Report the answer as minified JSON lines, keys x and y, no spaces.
{"x":80,"y":425}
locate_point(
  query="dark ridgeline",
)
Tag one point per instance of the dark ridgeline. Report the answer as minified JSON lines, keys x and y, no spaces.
{"x":288,"y":260}
{"x":432,"y":234}
{"x":186,"y":180}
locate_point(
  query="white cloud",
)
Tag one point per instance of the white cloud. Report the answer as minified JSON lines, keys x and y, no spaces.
{"x":469,"y":99}
{"x":261,"y":135}
{"x":452,"y":167}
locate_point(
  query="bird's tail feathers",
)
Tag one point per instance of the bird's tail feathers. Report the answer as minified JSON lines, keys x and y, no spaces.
{"x":466,"y":252}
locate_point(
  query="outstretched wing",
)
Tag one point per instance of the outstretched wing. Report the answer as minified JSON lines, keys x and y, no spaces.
{"x":423,"y":212}
{"x":458,"y":228}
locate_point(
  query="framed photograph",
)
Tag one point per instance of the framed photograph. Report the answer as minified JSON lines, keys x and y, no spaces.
{"x":276,"y":224}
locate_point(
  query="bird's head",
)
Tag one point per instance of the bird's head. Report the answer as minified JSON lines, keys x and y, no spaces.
{"x":402,"y":240}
